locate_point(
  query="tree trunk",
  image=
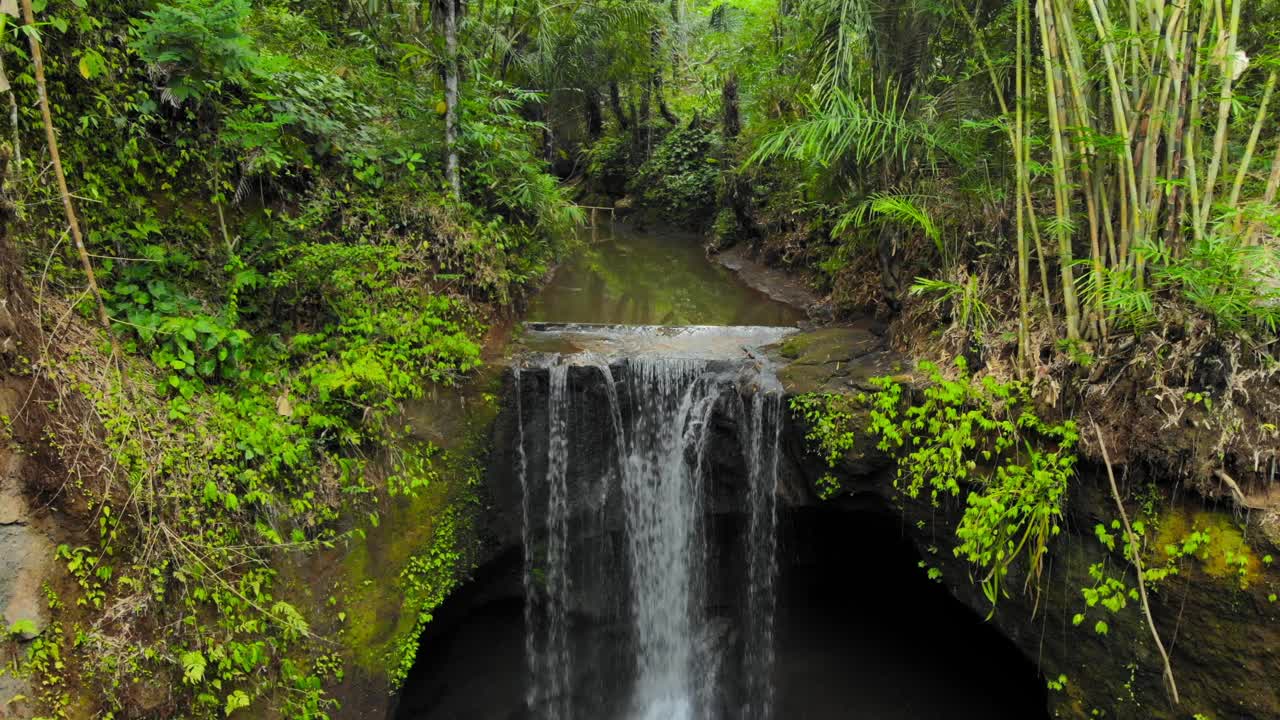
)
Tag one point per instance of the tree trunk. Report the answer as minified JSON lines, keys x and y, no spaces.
{"x":655,"y":44}
{"x":890,"y":265}
{"x":645,"y":120}
{"x":451,"y":171}
{"x":548,"y":134}
{"x":615,"y":103}
{"x":595,"y":121}
{"x":667,"y":115}
{"x":637,"y":133}
{"x":732,"y":113}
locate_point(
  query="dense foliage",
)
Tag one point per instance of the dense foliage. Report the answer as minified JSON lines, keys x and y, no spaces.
{"x":1107,"y":168}
{"x":265,"y":204}
{"x":298,"y":216}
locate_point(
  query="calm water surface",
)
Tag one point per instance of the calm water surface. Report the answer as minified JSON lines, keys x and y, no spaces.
{"x":662,"y":277}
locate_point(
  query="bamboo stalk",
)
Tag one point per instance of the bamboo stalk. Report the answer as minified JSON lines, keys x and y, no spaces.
{"x":1250,"y":147}
{"x":1193,"y":127}
{"x":1018,"y":140}
{"x":1062,"y":203}
{"x":1120,"y":118}
{"x":1224,"y":109}
{"x":68,"y":207}
{"x":1175,"y":130}
{"x":1078,"y":104}
{"x":1268,"y":196}
{"x":1025,"y":179}
{"x":1024,"y":267}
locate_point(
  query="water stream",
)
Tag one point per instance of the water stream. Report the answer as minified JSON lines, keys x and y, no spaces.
{"x":664,"y":411}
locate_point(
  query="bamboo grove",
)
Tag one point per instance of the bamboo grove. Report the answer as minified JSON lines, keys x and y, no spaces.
{"x":1135,"y":144}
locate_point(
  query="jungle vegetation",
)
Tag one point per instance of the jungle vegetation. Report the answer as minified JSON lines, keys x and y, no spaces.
{"x":254,"y":228}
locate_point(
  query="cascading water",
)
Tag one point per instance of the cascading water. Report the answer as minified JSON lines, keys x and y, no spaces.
{"x":673,"y":659}
{"x":762,"y":563}
{"x":546,"y":618}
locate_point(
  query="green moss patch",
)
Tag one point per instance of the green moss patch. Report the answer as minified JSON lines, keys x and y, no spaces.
{"x":1226,"y":557}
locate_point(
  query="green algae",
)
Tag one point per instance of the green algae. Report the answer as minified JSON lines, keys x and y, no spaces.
{"x":1227,"y":556}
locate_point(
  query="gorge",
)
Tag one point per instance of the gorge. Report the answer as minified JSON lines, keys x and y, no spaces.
{"x":639,"y":360}
{"x":675,"y":565}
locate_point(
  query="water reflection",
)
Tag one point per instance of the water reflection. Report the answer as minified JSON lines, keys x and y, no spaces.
{"x":653,"y":278}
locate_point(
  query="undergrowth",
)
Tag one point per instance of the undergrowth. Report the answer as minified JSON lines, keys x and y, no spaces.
{"x":284,"y":268}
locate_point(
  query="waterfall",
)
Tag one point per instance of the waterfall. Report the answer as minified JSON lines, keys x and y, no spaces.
{"x":547,"y":642}
{"x":762,"y":563}
{"x":667,"y":657}
{"x":663,"y":503}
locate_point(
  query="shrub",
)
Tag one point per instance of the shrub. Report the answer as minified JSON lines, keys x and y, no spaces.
{"x":197,"y":46}
{"x":682,"y":176}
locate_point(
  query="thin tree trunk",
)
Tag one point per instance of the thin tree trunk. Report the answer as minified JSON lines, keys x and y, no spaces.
{"x":16,"y":165}
{"x":1024,"y":256}
{"x":1250,"y":147}
{"x":1191,"y":151}
{"x":729,"y":107}
{"x":1054,"y":95}
{"x":1132,"y":551}
{"x":595,"y":121}
{"x":51,"y":136}
{"x":1268,"y":196}
{"x":655,"y":42}
{"x":637,"y":133}
{"x":1224,"y":113}
{"x":1018,"y":142}
{"x":667,"y":115}
{"x":645,"y":120}
{"x":451,"y":171}
{"x":615,"y":103}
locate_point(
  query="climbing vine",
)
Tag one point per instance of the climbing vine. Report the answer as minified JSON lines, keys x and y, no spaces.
{"x":980,"y":439}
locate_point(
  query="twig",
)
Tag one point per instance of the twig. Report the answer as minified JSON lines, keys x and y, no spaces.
{"x":51,"y":135}
{"x":1137,"y":564}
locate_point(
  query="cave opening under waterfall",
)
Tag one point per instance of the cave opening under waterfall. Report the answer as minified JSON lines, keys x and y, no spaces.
{"x":659,"y":577}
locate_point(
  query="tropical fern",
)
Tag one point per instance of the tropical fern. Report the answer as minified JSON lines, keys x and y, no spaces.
{"x":863,"y":128}
{"x":890,"y":207}
{"x":972,"y":312}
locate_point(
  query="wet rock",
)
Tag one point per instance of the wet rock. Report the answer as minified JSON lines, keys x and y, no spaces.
{"x":778,"y":284}
{"x":836,"y":359}
{"x":26,"y":555}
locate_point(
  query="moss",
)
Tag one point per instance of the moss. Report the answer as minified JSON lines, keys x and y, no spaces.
{"x":371,"y":596}
{"x":825,"y":345}
{"x":1226,"y":557}
{"x":380,"y":617}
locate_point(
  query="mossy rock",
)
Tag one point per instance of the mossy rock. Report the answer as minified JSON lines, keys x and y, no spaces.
{"x":836,"y":359}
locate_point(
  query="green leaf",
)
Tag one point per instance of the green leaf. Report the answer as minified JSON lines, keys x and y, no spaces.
{"x":236,"y":700}
{"x":193,"y":665}
{"x":24,"y":627}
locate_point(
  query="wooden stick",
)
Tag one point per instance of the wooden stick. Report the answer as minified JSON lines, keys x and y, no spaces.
{"x":1137,"y":564}
{"x":51,"y":135}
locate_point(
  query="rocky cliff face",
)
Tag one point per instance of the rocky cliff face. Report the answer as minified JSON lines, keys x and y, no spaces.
{"x":26,"y":551}
{"x":1217,"y":618}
